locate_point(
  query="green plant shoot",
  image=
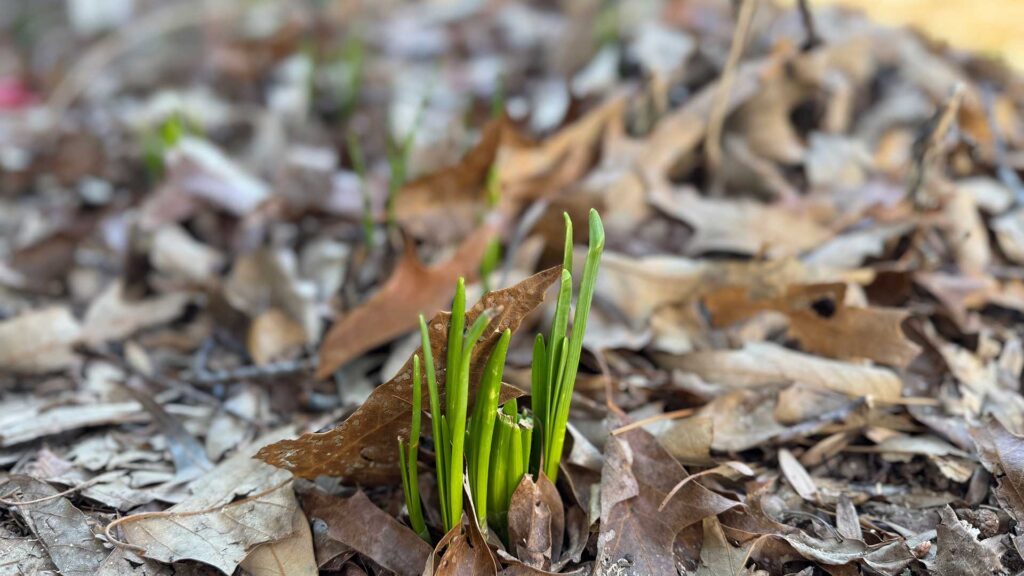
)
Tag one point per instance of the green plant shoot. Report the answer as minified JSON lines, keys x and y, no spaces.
{"x":408,"y":456}
{"x":556,"y":361}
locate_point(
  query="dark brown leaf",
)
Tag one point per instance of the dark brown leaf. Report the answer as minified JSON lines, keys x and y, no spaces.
{"x":412,"y":289}
{"x":362,"y":449}
{"x":358,"y":523}
{"x":636,"y":537}
{"x":536,"y":522}
{"x":959,"y":551}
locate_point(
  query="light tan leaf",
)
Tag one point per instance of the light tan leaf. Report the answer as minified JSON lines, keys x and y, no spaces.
{"x":411,"y":290}
{"x":269,"y":278}
{"x":39,"y":341}
{"x":63,"y":530}
{"x":758,"y":364}
{"x":967,"y":234}
{"x":717,"y":556}
{"x":740,"y":226}
{"x":292,"y":556}
{"x":445,"y":204}
{"x":221,"y":536}
{"x":272,"y":335}
{"x":822,"y":322}
{"x":357,"y":522}
{"x":176,"y":253}
{"x":362,"y":449}
{"x":112,"y":317}
{"x":797,"y":476}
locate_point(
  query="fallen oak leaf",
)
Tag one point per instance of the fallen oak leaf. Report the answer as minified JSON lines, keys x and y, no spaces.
{"x":411,"y":290}
{"x":292,"y":556}
{"x":1002,"y":454}
{"x":635,"y":536}
{"x":959,"y":551}
{"x":761,"y":363}
{"x":717,"y":556}
{"x":536,"y":522}
{"x":821,"y":322}
{"x":446,"y":201}
{"x":39,"y":341}
{"x":362,"y":448}
{"x":221,"y":536}
{"x":376,"y":534}
{"x":62,"y":528}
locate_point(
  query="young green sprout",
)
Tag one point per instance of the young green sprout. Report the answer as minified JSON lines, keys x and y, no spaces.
{"x":496,"y":446}
{"x":556,"y":361}
{"x":407,"y":456}
{"x":355,"y":154}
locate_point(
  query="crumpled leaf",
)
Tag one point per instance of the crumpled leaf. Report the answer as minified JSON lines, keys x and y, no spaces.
{"x":742,"y":227}
{"x":221,"y":536}
{"x":1002,"y":453}
{"x":536,"y":522}
{"x":411,"y":290}
{"x":637,"y":538}
{"x":822,"y":322}
{"x":959,"y":551}
{"x":357,"y":522}
{"x":362,"y":448}
{"x":113,"y":317}
{"x":292,"y":556}
{"x":63,"y":530}
{"x":444,"y":204}
{"x":22,"y":556}
{"x":39,"y":341}
{"x":717,"y":556}
{"x":761,"y":363}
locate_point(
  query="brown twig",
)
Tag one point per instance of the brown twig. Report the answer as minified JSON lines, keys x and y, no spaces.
{"x":813,"y":40}
{"x":143,"y":515}
{"x":931,"y":149}
{"x":716,"y":121}
{"x":652,"y":419}
{"x":160,"y":381}
{"x":92,"y":481}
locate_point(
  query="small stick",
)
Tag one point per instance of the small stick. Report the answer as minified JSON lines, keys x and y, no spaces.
{"x":652,"y":419}
{"x":813,"y":40}
{"x":932,"y":148}
{"x":160,"y":381}
{"x":142,"y":515}
{"x":713,"y":139}
{"x":267,"y":371}
{"x":109,"y":475}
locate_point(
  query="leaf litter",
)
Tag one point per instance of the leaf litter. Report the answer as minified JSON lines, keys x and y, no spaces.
{"x":804,"y":354}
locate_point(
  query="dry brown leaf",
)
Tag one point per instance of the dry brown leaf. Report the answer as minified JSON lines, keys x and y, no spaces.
{"x":113,"y":317}
{"x":797,"y":476}
{"x":847,"y":519}
{"x":358,"y":523}
{"x":221,"y":536}
{"x":292,"y":556}
{"x":411,"y":290}
{"x":63,"y":530}
{"x":39,"y":341}
{"x":444,"y":204}
{"x":968,"y":235}
{"x":958,"y":550}
{"x":822,"y":322}
{"x":762,"y":363}
{"x":740,"y":226}
{"x":272,"y":335}
{"x":362,"y":449}
{"x":635,"y":535}
{"x":1002,"y":453}
{"x":269,"y":278}
{"x":717,"y":556}
{"x":536,"y":522}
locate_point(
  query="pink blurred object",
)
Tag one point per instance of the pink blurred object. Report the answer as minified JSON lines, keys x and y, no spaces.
{"x":14,"y":94}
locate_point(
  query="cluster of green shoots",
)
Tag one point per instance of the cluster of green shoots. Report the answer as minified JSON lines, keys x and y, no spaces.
{"x":493,"y":447}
